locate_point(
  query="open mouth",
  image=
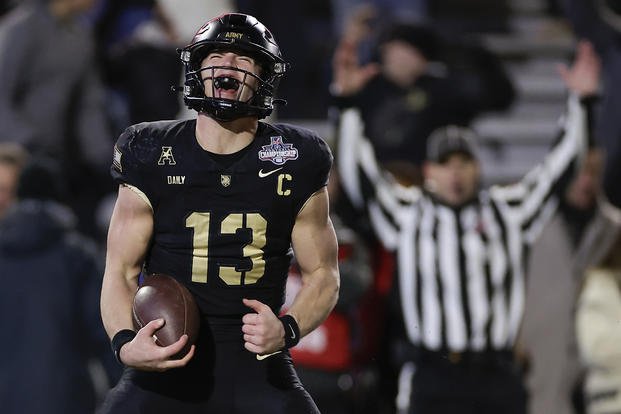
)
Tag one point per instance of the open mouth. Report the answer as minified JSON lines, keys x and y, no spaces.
{"x":458,"y":189}
{"x":226,"y":83}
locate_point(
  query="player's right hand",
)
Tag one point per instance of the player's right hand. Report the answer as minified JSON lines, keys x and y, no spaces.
{"x":144,"y":354}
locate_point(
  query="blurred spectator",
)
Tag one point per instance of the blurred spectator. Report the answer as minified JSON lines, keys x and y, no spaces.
{"x":600,"y":22}
{"x":599,"y":304}
{"x":49,"y":306}
{"x":136,"y":43}
{"x":12,"y":158}
{"x":547,"y":334}
{"x":597,"y":322}
{"x":51,"y":100}
{"x":461,"y":255}
{"x":421,"y":83}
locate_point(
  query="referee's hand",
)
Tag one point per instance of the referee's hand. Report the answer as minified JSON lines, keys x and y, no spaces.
{"x":263,"y":331}
{"x":583,"y":76}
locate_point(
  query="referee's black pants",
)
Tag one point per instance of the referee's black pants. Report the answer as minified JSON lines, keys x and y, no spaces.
{"x":485,"y":383}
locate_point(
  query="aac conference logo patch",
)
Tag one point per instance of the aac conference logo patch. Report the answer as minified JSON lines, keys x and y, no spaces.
{"x":278,"y":152}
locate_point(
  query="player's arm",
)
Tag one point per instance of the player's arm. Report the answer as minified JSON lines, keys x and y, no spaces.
{"x":129,"y":235}
{"x":315,"y":246}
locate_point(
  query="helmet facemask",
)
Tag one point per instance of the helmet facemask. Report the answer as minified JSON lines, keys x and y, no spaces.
{"x":253,"y":94}
{"x":245,"y":36}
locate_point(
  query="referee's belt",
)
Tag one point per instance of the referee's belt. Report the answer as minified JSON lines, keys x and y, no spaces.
{"x":466,"y":358}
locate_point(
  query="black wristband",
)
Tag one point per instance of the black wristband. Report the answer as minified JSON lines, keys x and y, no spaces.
{"x":292,"y":331}
{"x":119,"y":339}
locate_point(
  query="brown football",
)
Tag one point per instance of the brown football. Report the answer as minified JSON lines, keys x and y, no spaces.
{"x":162,"y":296}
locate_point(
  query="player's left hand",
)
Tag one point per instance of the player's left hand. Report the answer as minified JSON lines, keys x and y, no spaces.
{"x":263,"y":331}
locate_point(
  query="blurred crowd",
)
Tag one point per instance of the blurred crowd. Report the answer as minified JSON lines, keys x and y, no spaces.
{"x":76,"y":73}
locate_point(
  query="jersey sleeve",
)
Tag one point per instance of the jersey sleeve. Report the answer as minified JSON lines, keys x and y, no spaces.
{"x":322,"y":165}
{"x":316,"y":168}
{"x":129,"y":166}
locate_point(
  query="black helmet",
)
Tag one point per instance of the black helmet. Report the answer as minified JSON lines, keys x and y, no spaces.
{"x":238,"y":33}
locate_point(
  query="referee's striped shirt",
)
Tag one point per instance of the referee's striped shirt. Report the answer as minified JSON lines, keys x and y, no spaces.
{"x":461,"y":271}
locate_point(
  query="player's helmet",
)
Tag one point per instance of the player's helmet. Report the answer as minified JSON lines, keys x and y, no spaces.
{"x":237,"y":33}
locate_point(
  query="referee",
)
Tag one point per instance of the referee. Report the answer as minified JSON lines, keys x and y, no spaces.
{"x":461,"y":252}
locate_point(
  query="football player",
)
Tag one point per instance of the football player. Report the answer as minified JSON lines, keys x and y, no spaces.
{"x":221,"y":202}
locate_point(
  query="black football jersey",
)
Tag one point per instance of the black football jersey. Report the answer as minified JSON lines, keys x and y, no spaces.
{"x":222,"y":224}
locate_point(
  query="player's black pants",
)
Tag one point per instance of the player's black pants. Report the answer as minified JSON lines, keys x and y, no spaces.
{"x":227,"y":379}
{"x":489,"y":383}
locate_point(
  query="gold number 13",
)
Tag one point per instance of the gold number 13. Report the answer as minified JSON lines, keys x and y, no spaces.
{"x":200,"y":222}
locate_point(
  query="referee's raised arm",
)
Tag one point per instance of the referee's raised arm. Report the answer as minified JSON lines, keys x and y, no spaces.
{"x":533,"y":200}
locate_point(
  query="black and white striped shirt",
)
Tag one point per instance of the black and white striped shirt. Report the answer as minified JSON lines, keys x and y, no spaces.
{"x":461,"y":270}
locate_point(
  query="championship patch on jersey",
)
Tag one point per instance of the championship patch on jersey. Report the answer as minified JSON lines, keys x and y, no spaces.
{"x":116,"y":160}
{"x":278,"y":152}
